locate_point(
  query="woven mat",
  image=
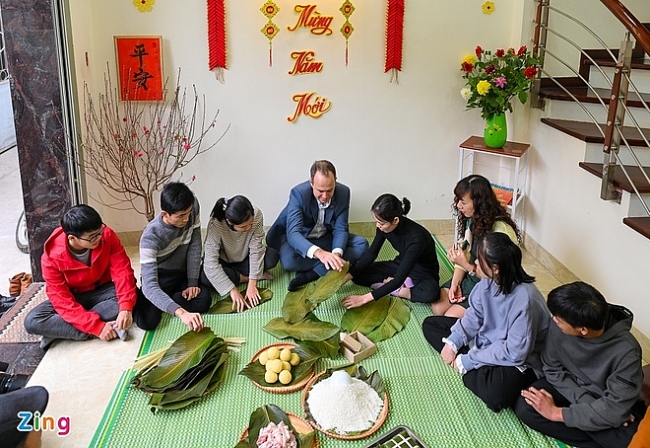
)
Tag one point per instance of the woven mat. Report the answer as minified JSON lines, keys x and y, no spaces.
{"x":423,"y":392}
{"x":12,"y":328}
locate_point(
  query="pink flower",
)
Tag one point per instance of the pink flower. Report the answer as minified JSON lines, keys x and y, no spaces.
{"x":187,"y":147}
{"x":139,"y":153}
{"x":500,"y":82}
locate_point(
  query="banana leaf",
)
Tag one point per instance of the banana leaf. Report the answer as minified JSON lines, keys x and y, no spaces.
{"x":188,"y":379}
{"x":399,"y":314}
{"x":184,"y":353}
{"x":367,"y":317}
{"x":262,"y":416}
{"x":185,"y":397}
{"x":224,"y":306}
{"x":297,"y":304}
{"x":328,"y":284}
{"x":308,"y":357}
{"x":329,"y":348}
{"x":305,"y":330}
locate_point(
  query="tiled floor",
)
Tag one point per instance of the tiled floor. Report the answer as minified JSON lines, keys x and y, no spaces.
{"x":81,"y":376}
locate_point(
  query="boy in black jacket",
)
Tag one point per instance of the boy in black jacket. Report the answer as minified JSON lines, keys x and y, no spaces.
{"x":592,"y":364}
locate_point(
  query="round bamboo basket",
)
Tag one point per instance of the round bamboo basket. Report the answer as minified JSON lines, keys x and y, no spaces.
{"x":374,"y":428}
{"x":289,"y":387}
{"x":299,"y":424}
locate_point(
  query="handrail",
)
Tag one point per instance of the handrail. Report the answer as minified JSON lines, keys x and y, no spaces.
{"x":634,"y":26}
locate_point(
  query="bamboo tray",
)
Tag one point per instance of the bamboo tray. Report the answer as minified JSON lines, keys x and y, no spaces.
{"x":289,"y":387}
{"x":368,"y":432}
{"x":299,"y":424}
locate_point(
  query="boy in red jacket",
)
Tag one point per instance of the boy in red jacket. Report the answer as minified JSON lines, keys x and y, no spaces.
{"x":89,"y":282}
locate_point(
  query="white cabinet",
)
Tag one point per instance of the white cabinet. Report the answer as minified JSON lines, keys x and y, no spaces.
{"x":507,"y":166}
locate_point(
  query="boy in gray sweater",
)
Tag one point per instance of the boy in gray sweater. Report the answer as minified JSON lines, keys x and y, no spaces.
{"x":592,"y":366}
{"x":170,"y":261}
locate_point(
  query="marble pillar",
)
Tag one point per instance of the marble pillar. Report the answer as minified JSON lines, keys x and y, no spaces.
{"x":36,"y":94}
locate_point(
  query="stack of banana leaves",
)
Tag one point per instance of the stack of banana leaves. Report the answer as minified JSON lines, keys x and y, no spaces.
{"x":379,"y":320}
{"x":192,"y":367}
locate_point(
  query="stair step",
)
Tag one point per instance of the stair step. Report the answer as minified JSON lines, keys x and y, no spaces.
{"x":577,"y":88}
{"x":640,"y":224}
{"x":588,"y":131}
{"x":620,"y":181}
{"x":604,"y":59}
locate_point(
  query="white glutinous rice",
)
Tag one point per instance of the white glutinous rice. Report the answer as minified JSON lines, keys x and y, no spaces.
{"x":344,"y":408}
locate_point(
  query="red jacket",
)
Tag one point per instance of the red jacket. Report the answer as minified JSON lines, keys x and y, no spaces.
{"x":64,"y":276}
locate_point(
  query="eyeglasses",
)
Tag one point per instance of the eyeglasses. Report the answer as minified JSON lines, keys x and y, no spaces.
{"x":94,"y":238}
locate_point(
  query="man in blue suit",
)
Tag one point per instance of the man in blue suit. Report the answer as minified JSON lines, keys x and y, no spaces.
{"x":311,"y":232}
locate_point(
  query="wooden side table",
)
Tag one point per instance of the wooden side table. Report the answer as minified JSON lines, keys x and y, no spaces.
{"x":515,"y":157}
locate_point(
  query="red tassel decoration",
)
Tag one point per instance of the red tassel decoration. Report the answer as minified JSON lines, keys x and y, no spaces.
{"x":394,"y":37}
{"x":217,"y":37}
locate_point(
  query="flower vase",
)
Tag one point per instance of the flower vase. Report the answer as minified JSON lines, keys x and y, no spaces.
{"x":496,"y":131}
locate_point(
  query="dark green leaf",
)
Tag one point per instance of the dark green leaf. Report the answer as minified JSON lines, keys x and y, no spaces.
{"x":224,"y":306}
{"x":184,"y":353}
{"x":396,"y":319}
{"x":305,"y":330}
{"x":329,"y":348}
{"x":367,"y":317}
{"x":308,"y":357}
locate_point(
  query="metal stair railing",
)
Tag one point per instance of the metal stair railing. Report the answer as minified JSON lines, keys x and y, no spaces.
{"x":620,"y":84}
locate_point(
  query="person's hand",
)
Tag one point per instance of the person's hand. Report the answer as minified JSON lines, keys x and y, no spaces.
{"x":107,"y":332}
{"x":455,"y":294}
{"x":629,"y":420}
{"x":194,"y":321}
{"x":542,"y":402}
{"x":448,"y":355}
{"x":124,"y":320}
{"x":190,"y":292}
{"x":356,"y":301}
{"x":457,"y":256}
{"x":238,"y":302}
{"x":331,"y":261}
{"x":252,"y":295}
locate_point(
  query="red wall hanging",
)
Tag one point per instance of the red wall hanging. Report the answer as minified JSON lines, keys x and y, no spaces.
{"x":347,"y":8}
{"x":217,"y":38}
{"x":270,"y":30}
{"x":394,"y":38}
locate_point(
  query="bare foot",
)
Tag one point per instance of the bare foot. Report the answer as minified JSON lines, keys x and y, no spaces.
{"x":266,"y":275}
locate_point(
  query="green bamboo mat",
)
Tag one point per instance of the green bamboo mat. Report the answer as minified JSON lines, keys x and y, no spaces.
{"x":423,"y":392}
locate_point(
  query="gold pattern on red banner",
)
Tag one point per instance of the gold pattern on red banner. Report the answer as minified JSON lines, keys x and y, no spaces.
{"x":270,"y":30}
{"x":347,"y":8}
{"x":310,"y":105}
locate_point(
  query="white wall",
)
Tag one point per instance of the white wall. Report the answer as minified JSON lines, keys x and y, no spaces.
{"x":400,"y":138}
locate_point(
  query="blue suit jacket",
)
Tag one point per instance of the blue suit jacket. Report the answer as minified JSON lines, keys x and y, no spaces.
{"x":301,"y":213}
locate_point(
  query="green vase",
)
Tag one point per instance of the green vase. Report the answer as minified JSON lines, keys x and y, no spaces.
{"x":496,"y":131}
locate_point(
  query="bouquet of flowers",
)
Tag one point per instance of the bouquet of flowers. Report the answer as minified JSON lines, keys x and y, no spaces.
{"x":494,"y":78}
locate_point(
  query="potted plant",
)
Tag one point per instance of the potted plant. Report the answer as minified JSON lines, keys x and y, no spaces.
{"x":493,"y":79}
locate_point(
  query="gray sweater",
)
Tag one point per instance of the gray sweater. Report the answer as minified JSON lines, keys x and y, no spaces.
{"x":223,"y":243}
{"x":165,"y":247}
{"x":601,"y":376}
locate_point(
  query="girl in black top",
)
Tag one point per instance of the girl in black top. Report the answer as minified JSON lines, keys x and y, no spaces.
{"x":413,"y":274}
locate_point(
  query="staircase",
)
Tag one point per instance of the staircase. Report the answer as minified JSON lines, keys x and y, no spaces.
{"x":603,"y":99}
